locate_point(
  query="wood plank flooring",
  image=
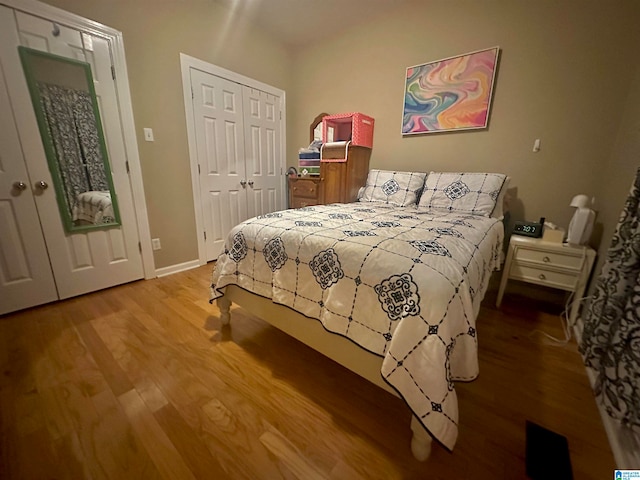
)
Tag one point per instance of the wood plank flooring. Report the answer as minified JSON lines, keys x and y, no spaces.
{"x":141,"y":381}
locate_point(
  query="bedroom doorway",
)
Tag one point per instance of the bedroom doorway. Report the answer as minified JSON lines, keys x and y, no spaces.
{"x":236,"y":145}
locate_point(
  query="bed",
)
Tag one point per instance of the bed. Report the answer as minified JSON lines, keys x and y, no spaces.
{"x":390,"y":287}
{"x":93,"y":208}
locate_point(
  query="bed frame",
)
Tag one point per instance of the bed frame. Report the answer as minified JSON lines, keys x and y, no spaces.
{"x":314,"y":335}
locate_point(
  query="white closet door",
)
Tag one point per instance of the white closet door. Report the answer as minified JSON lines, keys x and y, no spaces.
{"x":96,"y":259}
{"x":217,"y":108}
{"x":25,"y":274}
{"x":262,"y":146}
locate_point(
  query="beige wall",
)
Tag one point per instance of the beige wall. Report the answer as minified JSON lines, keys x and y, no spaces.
{"x":619,"y":170}
{"x":565,"y":75}
{"x":565,"y":70}
{"x":155,"y":33}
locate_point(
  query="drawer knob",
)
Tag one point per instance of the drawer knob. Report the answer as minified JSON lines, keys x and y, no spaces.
{"x":295,"y":189}
{"x":542,"y":277}
{"x":546,"y":259}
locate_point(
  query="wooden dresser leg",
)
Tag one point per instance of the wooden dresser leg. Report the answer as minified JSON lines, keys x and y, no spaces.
{"x":224,"y":304}
{"x":421,"y":441}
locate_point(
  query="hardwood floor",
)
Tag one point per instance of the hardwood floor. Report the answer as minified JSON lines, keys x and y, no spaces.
{"x":141,"y":381}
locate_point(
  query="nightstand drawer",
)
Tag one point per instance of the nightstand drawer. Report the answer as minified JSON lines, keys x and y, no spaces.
{"x":556,"y":259}
{"x":305,"y":189}
{"x":541,"y":276}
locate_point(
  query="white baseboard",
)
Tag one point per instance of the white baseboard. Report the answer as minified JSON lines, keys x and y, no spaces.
{"x":180,"y":267}
{"x":624,"y":442}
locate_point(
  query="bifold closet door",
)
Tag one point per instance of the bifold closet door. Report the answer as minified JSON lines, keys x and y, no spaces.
{"x":93,"y":259}
{"x":217,"y":107}
{"x":25,"y":274}
{"x":261,"y":113}
{"x":238,"y":143}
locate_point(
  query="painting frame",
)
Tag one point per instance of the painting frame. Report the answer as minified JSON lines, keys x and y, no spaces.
{"x":450,"y":94}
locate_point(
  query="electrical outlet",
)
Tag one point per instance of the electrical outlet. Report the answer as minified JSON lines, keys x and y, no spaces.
{"x":155,"y":244}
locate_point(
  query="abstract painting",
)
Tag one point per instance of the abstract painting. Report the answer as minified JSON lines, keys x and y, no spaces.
{"x":449,"y":94}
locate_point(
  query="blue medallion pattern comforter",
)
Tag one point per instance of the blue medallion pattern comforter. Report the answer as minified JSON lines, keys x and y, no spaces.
{"x":403,"y":283}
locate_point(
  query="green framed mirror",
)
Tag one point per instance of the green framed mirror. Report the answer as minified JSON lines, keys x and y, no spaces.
{"x":65,"y":104}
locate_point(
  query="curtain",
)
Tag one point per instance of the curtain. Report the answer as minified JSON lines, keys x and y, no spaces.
{"x":611,"y":338}
{"x":72,"y":126}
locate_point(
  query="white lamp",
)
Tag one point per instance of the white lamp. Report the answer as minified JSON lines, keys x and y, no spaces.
{"x":581,"y":224}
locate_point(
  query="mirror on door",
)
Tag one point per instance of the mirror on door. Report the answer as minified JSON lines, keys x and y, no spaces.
{"x":66,"y":108}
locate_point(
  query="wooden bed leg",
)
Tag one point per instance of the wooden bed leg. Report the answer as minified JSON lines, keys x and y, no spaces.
{"x":224,"y":304}
{"x":421,"y":441}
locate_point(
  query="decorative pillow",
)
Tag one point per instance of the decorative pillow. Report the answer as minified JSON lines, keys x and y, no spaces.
{"x":398,"y":188}
{"x":473,"y":193}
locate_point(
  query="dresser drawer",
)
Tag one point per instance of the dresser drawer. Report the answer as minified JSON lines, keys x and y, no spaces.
{"x":305,"y":189}
{"x":557,"y":259}
{"x":542,"y":276}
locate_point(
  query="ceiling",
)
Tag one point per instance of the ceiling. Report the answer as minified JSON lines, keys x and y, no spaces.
{"x":299,"y":23}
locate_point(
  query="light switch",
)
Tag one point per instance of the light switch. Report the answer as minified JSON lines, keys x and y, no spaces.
{"x":536,"y":145}
{"x":148,"y":135}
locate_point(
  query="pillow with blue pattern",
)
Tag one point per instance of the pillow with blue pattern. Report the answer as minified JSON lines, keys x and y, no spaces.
{"x":397,"y":188}
{"x":471,"y":193}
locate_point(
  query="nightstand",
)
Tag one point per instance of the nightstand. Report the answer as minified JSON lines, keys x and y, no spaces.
{"x":555,"y":265}
{"x":304,"y":191}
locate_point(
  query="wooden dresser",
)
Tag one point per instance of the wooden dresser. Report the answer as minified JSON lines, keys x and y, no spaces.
{"x":338,"y":182}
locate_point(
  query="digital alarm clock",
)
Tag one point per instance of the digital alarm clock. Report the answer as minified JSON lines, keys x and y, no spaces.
{"x":529,"y":229}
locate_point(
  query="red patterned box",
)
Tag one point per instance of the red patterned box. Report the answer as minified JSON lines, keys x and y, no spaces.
{"x":356,"y":127}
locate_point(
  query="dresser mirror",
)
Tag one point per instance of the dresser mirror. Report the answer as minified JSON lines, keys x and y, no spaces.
{"x":64,"y":100}
{"x":315,"y":130}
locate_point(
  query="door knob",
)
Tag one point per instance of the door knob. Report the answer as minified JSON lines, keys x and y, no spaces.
{"x":251,"y":183}
{"x":42,"y":185}
{"x":20,"y":186}
{"x":243,"y":183}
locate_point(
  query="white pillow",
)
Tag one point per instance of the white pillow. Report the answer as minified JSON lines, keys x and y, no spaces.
{"x":397,"y":188}
{"x":472,"y":193}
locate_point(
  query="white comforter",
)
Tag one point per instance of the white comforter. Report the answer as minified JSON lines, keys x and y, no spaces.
{"x":402,"y":283}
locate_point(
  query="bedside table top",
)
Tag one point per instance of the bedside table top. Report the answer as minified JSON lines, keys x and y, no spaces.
{"x":523,"y":241}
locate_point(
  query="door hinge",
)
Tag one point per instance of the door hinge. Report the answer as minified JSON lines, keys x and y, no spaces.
{"x":126,"y":164}
{"x":192,"y":93}
{"x":113,"y":72}
{"x":140,"y":247}
{"x":205,"y":235}
{"x":198,"y":169}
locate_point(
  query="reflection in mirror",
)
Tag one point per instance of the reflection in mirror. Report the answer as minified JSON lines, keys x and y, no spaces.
{"x":65,"y":104}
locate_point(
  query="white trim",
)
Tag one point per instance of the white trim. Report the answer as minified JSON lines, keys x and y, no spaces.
{"x":133,"y":156}
{"x":179,"y":267}
{"x":69,"y":19}
{"x":624,"y":443}
{"x":227,"y":74}
{"x":77,"y":22}
{"x":186,"y":63}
